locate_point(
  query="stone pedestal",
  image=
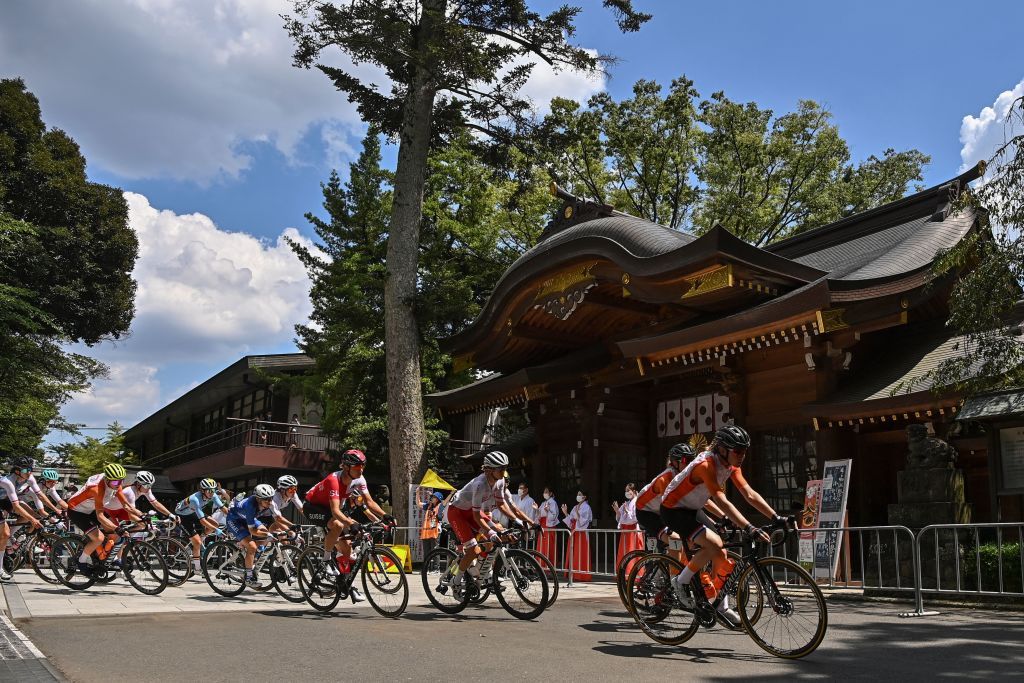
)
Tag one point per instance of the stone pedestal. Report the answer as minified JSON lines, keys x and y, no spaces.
{"x":930,"y":496}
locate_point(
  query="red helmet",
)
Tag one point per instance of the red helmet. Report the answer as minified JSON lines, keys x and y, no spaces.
{"x":353,"y":457}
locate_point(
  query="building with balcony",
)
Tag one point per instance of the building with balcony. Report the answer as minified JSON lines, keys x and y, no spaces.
{"x":236,"y":427}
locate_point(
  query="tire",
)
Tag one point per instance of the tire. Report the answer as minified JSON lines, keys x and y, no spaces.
{"x":388,"y":592}
{"x":621,"y":576}
{"x":286,"y":579}
{"x":42,"y":552}
{"x":520,"y":584}
{"x":653,"y":604}
{"x":752,"y":594}
{"x":444,"y":597}
{"x":64,"y":560}
{"x":318,"y":589}
{"x":224,"y":568}
{"x":144,"y":567}
{"x":549,"y":573}
{"x":791,"y":601}
{"x":178,"y":558}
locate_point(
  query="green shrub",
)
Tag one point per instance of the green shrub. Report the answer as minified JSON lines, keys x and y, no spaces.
{"x":990,"y":567}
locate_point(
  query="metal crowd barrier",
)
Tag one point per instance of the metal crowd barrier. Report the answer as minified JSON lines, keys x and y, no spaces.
{"x":972,"y":559}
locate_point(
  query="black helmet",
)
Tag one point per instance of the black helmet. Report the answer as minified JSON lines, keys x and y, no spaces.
{"x":23,"y":462}
{"x":353,"y":457}
{"x":733,"y":436}
{"x":680,"y":451}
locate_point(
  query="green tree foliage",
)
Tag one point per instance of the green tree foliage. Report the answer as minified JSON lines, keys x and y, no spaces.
{"x":66,"y":256}
{"x":692,"y":164}
{"x":452,"y":66}
{"x":91,"y":454}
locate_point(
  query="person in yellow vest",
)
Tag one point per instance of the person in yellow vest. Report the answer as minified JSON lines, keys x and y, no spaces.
{"x":432,"y":507}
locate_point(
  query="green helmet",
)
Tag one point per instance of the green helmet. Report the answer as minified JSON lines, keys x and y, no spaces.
{"x":50,"y":474}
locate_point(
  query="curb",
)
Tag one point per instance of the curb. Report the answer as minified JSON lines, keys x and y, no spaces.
{"x":15,"y":603}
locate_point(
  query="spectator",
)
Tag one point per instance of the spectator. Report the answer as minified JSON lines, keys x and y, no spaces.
{"x":431,"y":527}
{"x":525,"y":503}
{"x":261,"y":428}
{"x":384,"y":498}
{"x":625,"y":516}
{"x":578,"y":521}
{"x":294,"y":431}
{"x":547,"y":512}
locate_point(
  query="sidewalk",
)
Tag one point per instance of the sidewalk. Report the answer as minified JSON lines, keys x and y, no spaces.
{"x":29,"y":597}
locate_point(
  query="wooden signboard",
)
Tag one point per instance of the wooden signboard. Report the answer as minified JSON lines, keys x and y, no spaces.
{"x":835,"y":486}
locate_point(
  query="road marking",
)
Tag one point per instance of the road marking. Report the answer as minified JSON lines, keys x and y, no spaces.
{"x":14,"y":644}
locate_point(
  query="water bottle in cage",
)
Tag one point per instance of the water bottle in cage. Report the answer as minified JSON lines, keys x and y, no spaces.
{"x":108,"y":544}
{"x":485,"y":567}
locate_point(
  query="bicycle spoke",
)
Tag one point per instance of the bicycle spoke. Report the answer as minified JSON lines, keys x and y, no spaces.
{"x":793,"y":618}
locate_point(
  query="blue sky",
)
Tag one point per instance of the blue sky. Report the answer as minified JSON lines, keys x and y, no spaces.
{"x":193,"y":108}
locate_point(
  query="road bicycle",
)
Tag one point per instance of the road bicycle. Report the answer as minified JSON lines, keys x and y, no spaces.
{"x":32,"y":546}
{"x":513,"y":575}
{"x":781,"y":607}
{"x":141,"y":562}
{"x":177,"y":553}
{"x":382,"y":572}
{"x":275,"y":565}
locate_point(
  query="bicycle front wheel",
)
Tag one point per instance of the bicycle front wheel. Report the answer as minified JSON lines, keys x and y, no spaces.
{"x":794,"y":618}
{"x":319,"y":588}
{"x":549,"y":573}
{"x":144,"y":567}
{"x":178,"y":558}
{"x":64,"y":560}
{"x":384,"y":582}
{"x":438,"y":572}
{"x":286,"y":573}
{"x":520,"y":585}
{"x":224,"y":568}
{"x":42,"y":554}
{"x":654,"y":604}
{"x":622,"y":573}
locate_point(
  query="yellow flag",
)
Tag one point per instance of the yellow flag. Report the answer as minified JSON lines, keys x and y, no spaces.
{"x":432,"y":480}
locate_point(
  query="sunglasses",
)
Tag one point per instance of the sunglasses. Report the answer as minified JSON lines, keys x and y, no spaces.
{"x":114,"y":484}
{"x":25,"y":470}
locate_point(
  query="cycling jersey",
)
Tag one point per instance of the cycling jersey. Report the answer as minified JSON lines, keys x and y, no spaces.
{"x":245,"y":510}
{"x":52,"y":493}
{"x":332,"y":487}
{"x":131,"y":495}
{"x":704,"y":476}
{"x":649,"y":497}
{"x":11,"y":488}
{"x":479,"y":495}
{"x":280,"y":503}
{"x":197,"y":506}
{"x":95,"y":495}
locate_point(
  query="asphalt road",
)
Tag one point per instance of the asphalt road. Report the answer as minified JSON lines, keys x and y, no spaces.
{"x":589,"y":639}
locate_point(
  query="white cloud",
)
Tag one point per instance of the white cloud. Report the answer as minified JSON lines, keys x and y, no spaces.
{"x":132,"y":387}
{"x":981,"y":135}
{"x":545,"y":84}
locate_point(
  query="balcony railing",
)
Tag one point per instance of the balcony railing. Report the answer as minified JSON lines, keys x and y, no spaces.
{"x":283,"y":435}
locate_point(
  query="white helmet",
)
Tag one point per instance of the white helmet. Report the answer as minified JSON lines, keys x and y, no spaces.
{"x":496,"y":459}
{"x":263,"y":491}
{"x":287,"y":481}
{"x":144,"y":478}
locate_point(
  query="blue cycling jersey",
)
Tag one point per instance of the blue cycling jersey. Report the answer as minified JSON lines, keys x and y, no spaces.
{"x":197,"y":505}
{"x":246,"y":510}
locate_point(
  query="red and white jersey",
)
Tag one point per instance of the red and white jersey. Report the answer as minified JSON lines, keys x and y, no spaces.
{"x":95,"y":495}
{"x":706,"y":475}
{"x":130,"y":496}
{"x":332,"y":486}
{"x":479,"y":495}
{"x":649,"y":497}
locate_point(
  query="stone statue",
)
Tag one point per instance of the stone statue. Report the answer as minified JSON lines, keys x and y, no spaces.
{"x":928,"y":452}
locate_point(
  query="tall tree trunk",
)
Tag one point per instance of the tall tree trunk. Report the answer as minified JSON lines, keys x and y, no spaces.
{"x":406,"y":433}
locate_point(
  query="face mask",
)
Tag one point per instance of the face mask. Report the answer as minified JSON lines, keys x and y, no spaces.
{"x":579,"y":499}
{"x":522,"y":492}
{"x":547,"y":496}
{"x":629,"y":494}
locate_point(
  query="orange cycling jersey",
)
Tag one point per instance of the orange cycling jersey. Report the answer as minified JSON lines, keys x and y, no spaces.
{"x":649,"y":497}
{"x":90,"y":498}
{"x":702,"y":478}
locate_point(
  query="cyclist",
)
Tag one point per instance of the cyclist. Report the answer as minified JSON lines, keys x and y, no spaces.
{"x":18,"y":481}
{"x":87,"y":509}
{"x":143,"y":486}
{"x":468,"y":511}
{"x":701,"y":481}
{"x":193,"y":512}
{"x":286,"y":494}
{"x":648,"y":501}
{"x":50,"y":478}
{"x":324,"y":507}
{"x":244,"y":524}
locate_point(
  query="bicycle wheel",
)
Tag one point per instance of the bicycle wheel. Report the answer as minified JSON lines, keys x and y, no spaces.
{"x":178,"y":558}
{"x":318,"y":588}
{"x":42,"y":553}
{"x":520,"y":584}
{"x":144,"y":567}
{"x":794,"y":618}
{"x":653,"y":602}
{"x":621,"y":575}
{"x":749,"y":597}
{"x":549,"y":573}
{"x":384,"y":582}
{"x":286,"y":573}
{"x":264,"y":573}
{"x":224,"y":568}
{"x":438,"y":569}
{"x":64,"y":560}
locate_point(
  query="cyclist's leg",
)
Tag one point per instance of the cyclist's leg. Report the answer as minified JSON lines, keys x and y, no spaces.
{"x":5,"y":536}
{"x":465,"y":530}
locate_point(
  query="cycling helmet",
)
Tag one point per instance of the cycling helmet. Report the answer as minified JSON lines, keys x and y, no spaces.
{"x":23,"y":462}
{"x":207,"y":485}
{"x":50,"y":475}
{"x":681,"y":451}
{"x":733,"y":436}
{"x":287,"y":481}
{"x":144,"y":478}
{"x":114,"y":471}
{"x":263,"y":491}
{"x":496,"y":459}
{"x":353,"y":457}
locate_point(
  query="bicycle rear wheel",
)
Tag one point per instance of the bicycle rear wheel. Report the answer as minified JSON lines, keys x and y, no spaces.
{"x":794,"y":617}
{"x":286,"y":573}
{"x":520,"y":584}
{"x":178,"y":558}
{"x":437,"y":573}
{"x":318,"y":588}
{"x":42,"y":554}
{"x":653,"y":602}
{"x":144,"y":567}
{"x":622,"y":575}
{"x":549,"y":573}
{"x":384,"y":582}
{"x":64,"y":560}
{"x":224,"y":568}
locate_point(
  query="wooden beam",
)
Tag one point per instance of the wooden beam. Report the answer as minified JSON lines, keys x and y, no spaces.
{"x":551,"y":337}
{"x":627,"y":305}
